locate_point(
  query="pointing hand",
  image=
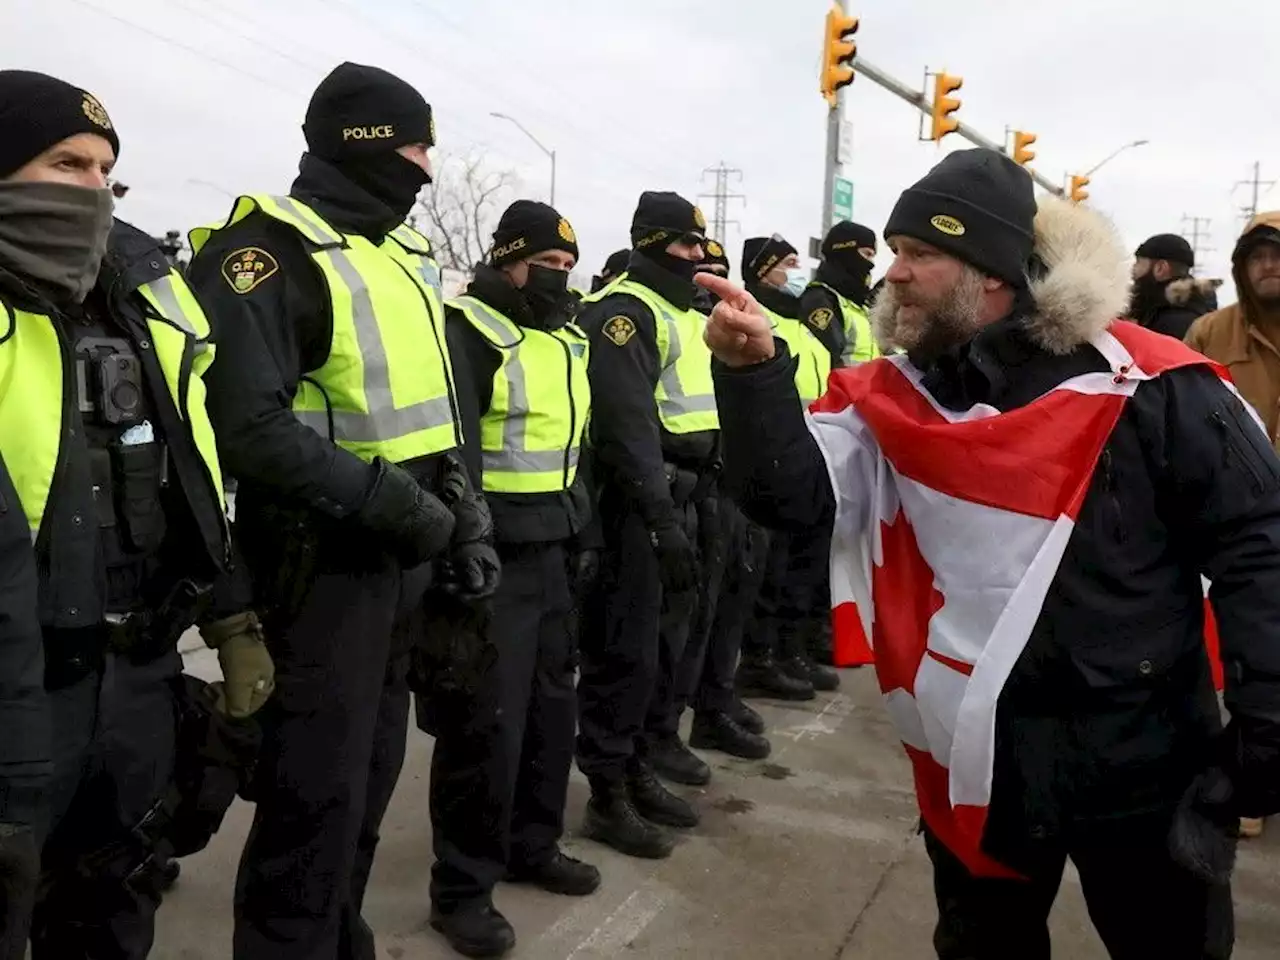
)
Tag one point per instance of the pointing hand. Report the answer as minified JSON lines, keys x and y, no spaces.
{"x":738,"y":332}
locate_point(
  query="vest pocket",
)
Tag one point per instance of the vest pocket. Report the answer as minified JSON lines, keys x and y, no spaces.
{"x":137,"y":470}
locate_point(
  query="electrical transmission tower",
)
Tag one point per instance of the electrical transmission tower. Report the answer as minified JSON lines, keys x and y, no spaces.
{"x":1256,"y":185}
{"x":720,"y":217}
{"x":1199,"y":230}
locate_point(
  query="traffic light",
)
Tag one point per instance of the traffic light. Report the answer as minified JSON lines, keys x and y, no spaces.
{"x":944,"y":106}
{"x":1022,"y":154}
{"x":838,"y":49}
{"x":1078,"y":192}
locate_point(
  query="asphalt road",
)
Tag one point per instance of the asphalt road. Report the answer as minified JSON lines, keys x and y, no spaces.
{"x":810,"y":854}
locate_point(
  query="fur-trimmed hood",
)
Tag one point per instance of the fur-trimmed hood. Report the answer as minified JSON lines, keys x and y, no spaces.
{"x":1181,"y":292}
{"x":1086,"y":282}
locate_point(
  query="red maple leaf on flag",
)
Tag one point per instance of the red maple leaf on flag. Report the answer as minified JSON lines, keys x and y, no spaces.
{"x":905,"y":601}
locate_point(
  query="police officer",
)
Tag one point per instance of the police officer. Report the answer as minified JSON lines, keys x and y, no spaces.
{"x":791,"y":607}
{"x":104,"y":432}
{"x":613,"y":268}
{"x":834,"y":305}
{"x":335,"y":408}
{"x":653,"y":428}
{"x":500,"y":773}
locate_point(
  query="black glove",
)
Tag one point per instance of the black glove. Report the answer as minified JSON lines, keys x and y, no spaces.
{"x":19,"y":876}
{"x":473,"y":570}
{"x":677,"y":565}
{"x":412,"y":523}
{"x":584,"y":571}
{"x":1205,"y":826}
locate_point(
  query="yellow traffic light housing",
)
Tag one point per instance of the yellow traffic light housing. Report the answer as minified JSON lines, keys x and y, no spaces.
{"x":945,"y":105}
{"x":1022,"y":141}
{"x":838,"y":50}
{"x":1078,"y":192}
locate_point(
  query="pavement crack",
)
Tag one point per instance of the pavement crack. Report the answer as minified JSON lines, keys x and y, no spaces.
{"x":898,"y":856}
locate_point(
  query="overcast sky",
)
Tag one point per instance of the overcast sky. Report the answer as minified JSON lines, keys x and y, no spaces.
{"x":209,"y":97}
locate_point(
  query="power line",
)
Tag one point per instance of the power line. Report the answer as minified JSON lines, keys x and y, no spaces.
{"x":1256,"y":183}
{"x":1199,"y":229}
{"x":249,"y":38}
{"x":721,"y":196}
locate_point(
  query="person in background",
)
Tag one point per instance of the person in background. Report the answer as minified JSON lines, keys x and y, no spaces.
{"x":1164,"y":296}
{"x":834,"y":305}
{"x":1245,"y":338}
{"x":613,"y":268}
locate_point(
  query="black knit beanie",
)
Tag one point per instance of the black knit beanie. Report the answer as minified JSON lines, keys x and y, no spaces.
{"x":842,"y":242}
{"x":761,"y":254}
{"x":1167,"y":246}
{"x":715,"y":255}
{"x":528,"y":227}
{"x":662,"y":217}
{"x":37,"y":111}
{"x":977,"y":205}
{"x":358,"y":111}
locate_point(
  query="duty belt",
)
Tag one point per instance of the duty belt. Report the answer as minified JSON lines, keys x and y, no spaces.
{"x":145,"y":635}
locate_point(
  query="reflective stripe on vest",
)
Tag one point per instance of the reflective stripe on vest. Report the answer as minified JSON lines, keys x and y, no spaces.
{"x":685,"y":393}
{"x":859,"y":343}
{"x":386,"y":387}
{"x":531,"y":435}
{"x":813,"y":365}
{"x":32,"y":388}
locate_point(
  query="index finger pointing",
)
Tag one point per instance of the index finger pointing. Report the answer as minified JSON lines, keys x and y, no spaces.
{"x":724,"y":289}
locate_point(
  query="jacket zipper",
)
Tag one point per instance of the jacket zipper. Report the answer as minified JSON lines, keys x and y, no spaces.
{"x":573,"y":409}
{"x":1113,"y":497}
{"x":1232,"y":445}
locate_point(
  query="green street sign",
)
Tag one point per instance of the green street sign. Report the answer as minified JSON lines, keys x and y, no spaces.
{"x":841,"y":200}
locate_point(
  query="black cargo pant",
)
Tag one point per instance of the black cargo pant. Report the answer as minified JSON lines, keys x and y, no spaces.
{"x":333,"y":745}
{"x":623,"y":647}
{"x":746,"y":548}
{"x":793,"y":600}
{"x":1143,"y":905}
{"x":500,"y":770}
{"x":114,"y":735}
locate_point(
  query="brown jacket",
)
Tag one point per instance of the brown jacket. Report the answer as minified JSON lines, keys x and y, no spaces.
{"x":1233,"y":338}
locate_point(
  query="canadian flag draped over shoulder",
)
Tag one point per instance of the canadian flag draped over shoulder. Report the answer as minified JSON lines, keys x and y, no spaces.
{"x":949,"y":529}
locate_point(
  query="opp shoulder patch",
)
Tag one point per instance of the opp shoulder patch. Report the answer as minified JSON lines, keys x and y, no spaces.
{"x":820,"y":319}
{"x":247,"y":267}
{"x":619,"y":329}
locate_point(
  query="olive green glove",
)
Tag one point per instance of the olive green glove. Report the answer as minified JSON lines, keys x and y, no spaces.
{"x":248,"y":675}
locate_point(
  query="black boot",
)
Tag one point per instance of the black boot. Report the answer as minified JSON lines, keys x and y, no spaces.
{"x":747,"y":718}
{"x":474,"y":928}
{"x":671,"y":758}
{"x":656,"y":803}
{"x":168,"y":874}
{"x":612,"y":820}
{"x":720,"y":731}
{"x":764,"y":678}
{"x":801,"y":668}
{"x":561,"y":874}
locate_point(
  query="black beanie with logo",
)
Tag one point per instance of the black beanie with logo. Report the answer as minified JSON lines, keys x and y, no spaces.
{"x":528,"y":227}
{"x":977,"y":205}
{"x":359,"y":110}
{"x":38,"y":111}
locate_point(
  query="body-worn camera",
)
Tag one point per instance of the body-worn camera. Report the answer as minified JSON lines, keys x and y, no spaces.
{"x":110,"y":381}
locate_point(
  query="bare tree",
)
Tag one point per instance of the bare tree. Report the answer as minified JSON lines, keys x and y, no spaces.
{"x":459,"y":211}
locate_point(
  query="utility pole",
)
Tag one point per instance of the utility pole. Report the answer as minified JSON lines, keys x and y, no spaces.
{"x":1256,"y":183}
{"x":1199,"y":229}
{"x":836,"y":73}
{"x":721,"y":196}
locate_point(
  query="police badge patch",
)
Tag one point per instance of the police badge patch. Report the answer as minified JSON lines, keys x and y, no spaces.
{"x":247,"y":267}
{"x":619,"y":330}
{"x":820,"y":319}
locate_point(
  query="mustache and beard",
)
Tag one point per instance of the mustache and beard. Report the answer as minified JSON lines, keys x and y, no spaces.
{"x":924,"y":327}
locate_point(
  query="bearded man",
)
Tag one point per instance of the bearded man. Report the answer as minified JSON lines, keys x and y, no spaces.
{"x":1022,"y":507}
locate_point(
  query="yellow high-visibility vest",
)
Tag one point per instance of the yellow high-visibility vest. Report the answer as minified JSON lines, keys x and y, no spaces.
{"x":813,"y":365}
{"x":685,"y":392}
{"x":859,"y":342}
{"x":531,"y":435}
{"x":386,"y":388}
{"x":32,"y":386}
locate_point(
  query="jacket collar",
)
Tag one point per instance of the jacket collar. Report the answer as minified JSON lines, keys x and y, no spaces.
{"x":666,"y":285}
{"x":343,"y":204}
{"x":491,"y":287}
{"x":843,"y":282}
{"x":773,"y":299}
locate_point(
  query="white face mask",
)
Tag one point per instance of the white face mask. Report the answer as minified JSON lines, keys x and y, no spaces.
{"x":796,"y":281}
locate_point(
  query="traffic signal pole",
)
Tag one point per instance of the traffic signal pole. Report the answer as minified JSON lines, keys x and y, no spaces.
{"x":834,"y":116}
{"x":921,"y":102}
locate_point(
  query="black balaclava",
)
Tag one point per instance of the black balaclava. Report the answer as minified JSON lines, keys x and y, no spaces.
{"x":357,"y":118}
{"x":660,"y":219}
{"x":528,"y":228}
